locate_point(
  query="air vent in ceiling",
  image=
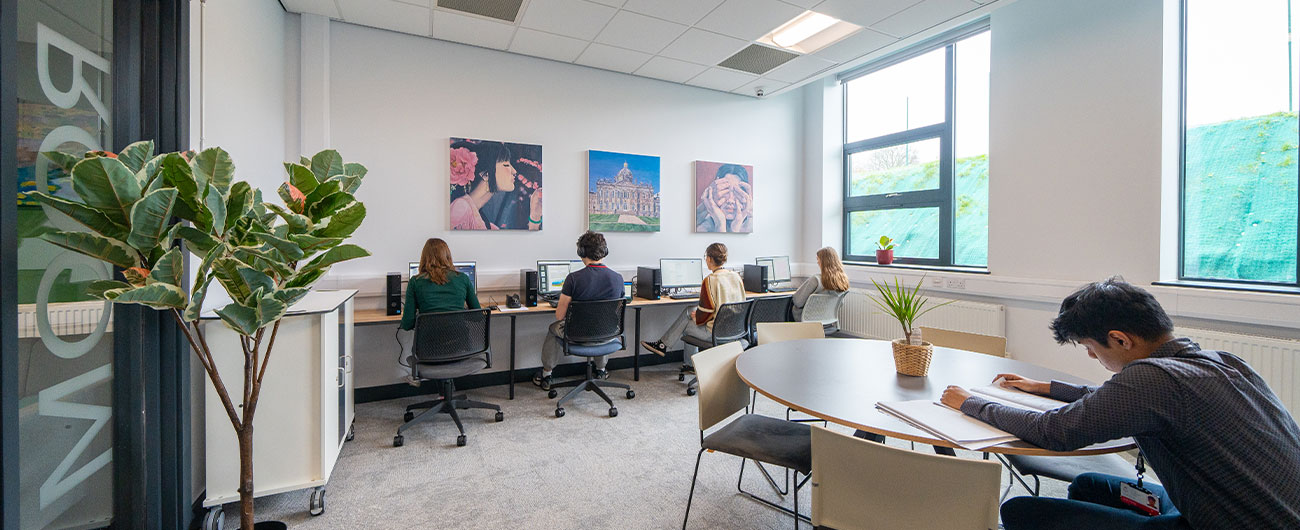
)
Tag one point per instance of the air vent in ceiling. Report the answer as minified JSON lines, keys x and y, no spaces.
{"x":757,"y":59}
{"x":503,"y":10}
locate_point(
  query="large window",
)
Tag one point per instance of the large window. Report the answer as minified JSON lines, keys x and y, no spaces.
{"x":916,"y":155}
{"x":1240,"y":138}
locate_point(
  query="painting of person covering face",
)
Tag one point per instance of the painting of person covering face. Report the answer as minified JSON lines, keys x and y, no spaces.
{"x":724,"y":197}
{"x":495,"y":185}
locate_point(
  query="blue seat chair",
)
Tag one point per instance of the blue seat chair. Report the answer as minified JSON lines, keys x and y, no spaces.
{"x":592,"y":329}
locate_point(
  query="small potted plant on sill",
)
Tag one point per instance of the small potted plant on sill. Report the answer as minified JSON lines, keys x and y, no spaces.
{"x":911,"y":354}
{"x":885,"y":250}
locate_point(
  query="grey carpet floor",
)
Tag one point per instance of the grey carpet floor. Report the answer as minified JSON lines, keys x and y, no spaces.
{"x":583,"y":471}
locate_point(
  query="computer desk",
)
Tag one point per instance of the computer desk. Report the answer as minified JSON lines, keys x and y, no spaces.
{"x":379,"y":316}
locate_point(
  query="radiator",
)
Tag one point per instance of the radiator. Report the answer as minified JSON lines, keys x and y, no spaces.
{"x":66,"y":318}
{"x":862,"y":317}
{"x":1276,"y":360}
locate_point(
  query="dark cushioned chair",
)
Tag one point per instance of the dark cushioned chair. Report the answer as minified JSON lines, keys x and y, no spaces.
{"x":448,"y":345}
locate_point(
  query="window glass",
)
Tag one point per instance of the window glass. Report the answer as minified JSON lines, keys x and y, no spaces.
{"x":907,"y":167}
{"x":971,"y":165}
{"x":904,"y":96}
{"x":915,"y":231}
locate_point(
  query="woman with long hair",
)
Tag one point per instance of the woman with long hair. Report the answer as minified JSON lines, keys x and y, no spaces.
{"x":438,"y":287}
{"x":831,"y":279}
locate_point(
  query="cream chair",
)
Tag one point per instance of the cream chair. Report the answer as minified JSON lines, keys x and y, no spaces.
{"x":770,"y":332}
{"x":864,"y":485}
{"x":986,"y":344}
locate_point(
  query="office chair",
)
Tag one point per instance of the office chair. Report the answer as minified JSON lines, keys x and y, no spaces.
{"x":824,"y":308}
{"x":592,"y":329}
{"x":769,"y":309}
{"x":862,"y":484}
{"x":730,"y":324}
{"x":448,"y":345}
{"x":749,"y":436}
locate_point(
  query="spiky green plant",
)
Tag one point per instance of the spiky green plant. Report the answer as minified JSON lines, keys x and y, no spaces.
{"x":144,"y":211}
{"x":906,"y":306}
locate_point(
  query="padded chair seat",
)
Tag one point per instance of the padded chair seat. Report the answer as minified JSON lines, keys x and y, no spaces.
{"x":449,"y":370}
{"x":768,"y":440}
{"x":701,"y":343}
{"x":1066,"y":468}
{"x":595,"y":349}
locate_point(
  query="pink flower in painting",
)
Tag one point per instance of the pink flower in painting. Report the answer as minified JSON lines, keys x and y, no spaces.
{"x":462,"y":166}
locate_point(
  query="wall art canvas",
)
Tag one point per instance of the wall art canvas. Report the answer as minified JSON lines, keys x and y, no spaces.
{"x":724,"y":197}
{"x":622,"y":192}
{"x":495,"y":185}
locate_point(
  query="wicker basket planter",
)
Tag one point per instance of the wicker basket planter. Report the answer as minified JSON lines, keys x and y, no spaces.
{"x":912,"y":359}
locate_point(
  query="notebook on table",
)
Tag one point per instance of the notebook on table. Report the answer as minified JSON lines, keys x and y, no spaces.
{"x":959,"y":429}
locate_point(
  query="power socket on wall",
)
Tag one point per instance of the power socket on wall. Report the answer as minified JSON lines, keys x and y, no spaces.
{"x":936,"y":282}
{"x":956,"y":283}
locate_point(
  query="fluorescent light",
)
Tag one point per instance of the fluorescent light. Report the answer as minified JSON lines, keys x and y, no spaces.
{"x":806,"y":25}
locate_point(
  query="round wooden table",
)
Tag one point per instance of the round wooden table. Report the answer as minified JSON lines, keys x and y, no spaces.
{"x":841,"y":380}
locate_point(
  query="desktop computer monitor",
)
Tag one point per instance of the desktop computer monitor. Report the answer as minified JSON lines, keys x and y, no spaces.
{"x":468,"y":268}
{"x":415,"y":270}
{"x":627,"y":291}
{"x":778,"y":267}
{"x":551,"y":275}
{"x":681,"y":272}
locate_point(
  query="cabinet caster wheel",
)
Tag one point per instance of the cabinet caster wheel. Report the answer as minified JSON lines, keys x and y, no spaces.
{"x":317,"y":505}
{"x":215,"y":519}
{"x":397,"y":441}
{"x":613,"y":412}
{"x":681,"y":377}
{"x":551,"y":394}
{"x":500,"y":416}
{"x":631,"y":394}
{"x":460,"y":441}
{"x":352,"y":433}
{"x":690,"y":391}
{"x":559,"y":412}
{"x":408,"y":416}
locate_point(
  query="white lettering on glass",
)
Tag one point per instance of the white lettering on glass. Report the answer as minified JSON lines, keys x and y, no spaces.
{"x":48,"y":403}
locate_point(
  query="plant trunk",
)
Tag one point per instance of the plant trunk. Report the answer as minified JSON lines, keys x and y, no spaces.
{"x":246,"y":477}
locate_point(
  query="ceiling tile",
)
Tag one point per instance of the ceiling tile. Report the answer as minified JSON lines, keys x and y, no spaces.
{"x":806,"y":4}
{"x":702,"y":47}
{"x":611,"y":3}
{"x":769,"y":86}
{"x":421,"y":3}
{"x":547,"y":46}
{"x":670,"y":69}
{"x":799,"y":69}
{"x":924,"y":15}
{"x":611,"y":58}
{"x":863,"y":12}
{"x":984,"y":2}
{"x":325,"y":8}
{"x":387,"y":14}
{"x":573,"y":18}
{"x":856,"y":45}
{"x":721,"y":79}
{"x":471,"y":30}
{"x":748,"y":19}
{"x":639,"y":32}
{"x":680,"y":11}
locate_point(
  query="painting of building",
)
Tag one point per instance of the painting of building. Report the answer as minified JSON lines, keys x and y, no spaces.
{"x":622,"y":192}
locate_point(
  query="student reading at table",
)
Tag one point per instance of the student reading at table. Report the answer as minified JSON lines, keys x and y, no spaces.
{"x":831,"y":279}
{"x":1226,"y":450}
{"x":720,"y":287}
{"x":438,"y":287}
{"x":593,"y":282}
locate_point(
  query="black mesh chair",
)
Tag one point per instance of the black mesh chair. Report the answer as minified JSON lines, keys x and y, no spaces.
{"x":448,"y":345}
{"x":769,"y":309}
{"x":730,"y":324}
{"x":592,"y":329}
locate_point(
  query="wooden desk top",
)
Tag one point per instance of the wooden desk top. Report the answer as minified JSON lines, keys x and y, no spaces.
{"x":379,"y":316}
{"x":841,"y":380}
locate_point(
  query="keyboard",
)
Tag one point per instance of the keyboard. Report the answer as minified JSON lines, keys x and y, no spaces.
{"x":684,"y":296}
{"x":780,"y":289}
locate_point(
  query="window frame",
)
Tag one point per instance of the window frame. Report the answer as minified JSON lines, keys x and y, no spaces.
{"x":1182,"y":181}
{"x":943,"y":197}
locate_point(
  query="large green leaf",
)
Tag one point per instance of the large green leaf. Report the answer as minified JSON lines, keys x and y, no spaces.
{"x":343,"y":222}
{"x":97,"y":288}
{"x":169,"y":269}
{"x":87,"y":216}
{"x":197,"y":241}
{"x":257,"y":280}
{"x":214,"y":167}
{"x":288,"y":248}
{"x":329,"y":187}
{"x":293,"y":198}
{"x":263,"y":260}
{"x":298,"y":223}
{"x":327,"y":206}
{"x":326,"y":164}
{"x":135,"y":155}
{"x":291,"y":295}
{"x":149,"y":172}
{"x":347,"y":183}
{"x":108,"y":186}
{"x":240,"y":318}
{"x":176,"y":172}
{"x":193,"y":309}
{"x":216,"y":204}
{"x":269,"y":309}
{"x":355,"y":169}
{"x":238,"y":203}
{"x":226,"y":270}
{"x":301,"y":177}
{"x":150,"y":217}
{"x":96,"y":246}
{"x":155,"y":295}
{"x":304,"y":278}
{"x":63,"y":160}
{"x":335,"y":255}
{"x":310,"y":244}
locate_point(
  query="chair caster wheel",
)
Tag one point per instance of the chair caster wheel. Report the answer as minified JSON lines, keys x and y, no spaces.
{"x":408,"y":416}
{"x":551,"y":394}
{"x":631,"y":394}
{"x":460,"y":441}
{"x":690,"y":391}
{"x":397,"y":441}
{"x":500,"y":416}
{"x":613,"y":412}
{"x":559,"y":412}
{"x":681,"y":377}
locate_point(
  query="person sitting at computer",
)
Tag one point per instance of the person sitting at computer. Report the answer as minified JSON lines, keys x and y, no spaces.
{"x":831,"y":279}
{"x":438,"y":287}
{"x":1226,"y":450}
{"x":595,"y":281}
{"x":720,"y":287}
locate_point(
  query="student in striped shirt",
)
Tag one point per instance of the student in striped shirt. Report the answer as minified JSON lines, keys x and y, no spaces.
{"x":720,"y":287}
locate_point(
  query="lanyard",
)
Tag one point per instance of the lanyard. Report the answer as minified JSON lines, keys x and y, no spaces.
{"x":1141,"y":467}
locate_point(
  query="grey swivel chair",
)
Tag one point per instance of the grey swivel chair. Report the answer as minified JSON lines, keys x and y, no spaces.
{"x":592,"y":329}
{"x":768,"y":309}
{"x":448,"y":345}
{"x":824,"y":308}
{"x":730,"y":324}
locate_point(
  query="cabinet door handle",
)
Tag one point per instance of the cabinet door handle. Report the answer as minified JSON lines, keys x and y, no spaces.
{"x":343,"y":377}
{"x":347,"y":363}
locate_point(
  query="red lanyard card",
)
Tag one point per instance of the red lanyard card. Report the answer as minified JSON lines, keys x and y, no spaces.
{"x":1139,"y":498}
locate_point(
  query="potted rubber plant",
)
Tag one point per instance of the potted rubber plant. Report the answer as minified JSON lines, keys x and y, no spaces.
{"x":911,"y":355}
{"x":885,"y":250}
{"x":144,"y":211}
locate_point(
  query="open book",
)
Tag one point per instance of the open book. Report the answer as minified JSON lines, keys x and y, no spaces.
{"x":962,"y":430}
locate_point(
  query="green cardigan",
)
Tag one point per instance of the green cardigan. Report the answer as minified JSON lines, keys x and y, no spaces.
{"x":424,"y":296}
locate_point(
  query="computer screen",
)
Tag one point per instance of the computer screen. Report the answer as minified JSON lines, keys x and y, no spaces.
{"x":469,"y":268}
{"x":778,"y":267}
{"x":681,"y":272}
{"x":627,"y":290}
{"x":415,"y":270}
{"x":551,"y":275}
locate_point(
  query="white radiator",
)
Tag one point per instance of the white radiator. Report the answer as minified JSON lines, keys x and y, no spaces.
{"x":66,"y":318}
{"x":1276,"y":360}
{"x":861,"y":316}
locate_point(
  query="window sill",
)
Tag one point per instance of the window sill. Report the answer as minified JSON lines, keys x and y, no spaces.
{"x":1227,"y":286}
{"x":912,"y":266}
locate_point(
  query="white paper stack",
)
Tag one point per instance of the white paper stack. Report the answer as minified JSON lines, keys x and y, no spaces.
{"x":946,"y":423}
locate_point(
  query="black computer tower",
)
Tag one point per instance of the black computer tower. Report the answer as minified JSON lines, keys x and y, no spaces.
{"x":648,"y":282}
{"x":755,"y":278}
{"x":394,"y":293}
{"x":528,"y":287}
